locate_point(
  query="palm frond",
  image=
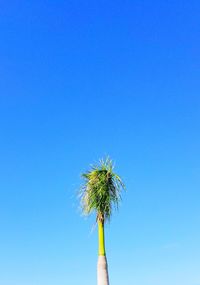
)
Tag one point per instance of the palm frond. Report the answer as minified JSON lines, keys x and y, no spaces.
{"x":101,"y":191}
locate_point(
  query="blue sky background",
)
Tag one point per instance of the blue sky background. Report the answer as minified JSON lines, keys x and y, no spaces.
{"x":79,"y":80}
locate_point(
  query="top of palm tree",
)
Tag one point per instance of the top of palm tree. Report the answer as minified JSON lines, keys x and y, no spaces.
{"x":101,"y":190}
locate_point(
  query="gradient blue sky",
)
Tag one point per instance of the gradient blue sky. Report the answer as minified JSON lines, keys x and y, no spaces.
{"x":79,"y":80}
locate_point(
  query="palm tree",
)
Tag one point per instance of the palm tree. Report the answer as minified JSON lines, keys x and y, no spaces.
{"x":100,"y":193}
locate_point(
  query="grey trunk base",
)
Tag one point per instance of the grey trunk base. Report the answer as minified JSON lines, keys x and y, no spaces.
{"x":102,"y":271}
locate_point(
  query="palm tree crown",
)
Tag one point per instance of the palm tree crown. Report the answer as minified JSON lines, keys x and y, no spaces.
{"x":101,"y":190}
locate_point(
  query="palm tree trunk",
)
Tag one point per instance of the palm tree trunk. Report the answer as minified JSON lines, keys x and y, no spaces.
{"x":102,"y":267}
{"x":102,"y":271}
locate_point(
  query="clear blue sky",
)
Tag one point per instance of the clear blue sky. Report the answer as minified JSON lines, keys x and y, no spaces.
{"x":79,"y":80}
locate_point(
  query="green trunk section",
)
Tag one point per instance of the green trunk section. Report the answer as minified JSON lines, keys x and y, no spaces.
{"x":102,"y":250}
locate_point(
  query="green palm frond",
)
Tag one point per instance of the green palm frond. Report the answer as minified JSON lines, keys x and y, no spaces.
{"x":101,"y":191}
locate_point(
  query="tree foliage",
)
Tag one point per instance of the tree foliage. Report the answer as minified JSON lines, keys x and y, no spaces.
{"x":101,"y":191}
